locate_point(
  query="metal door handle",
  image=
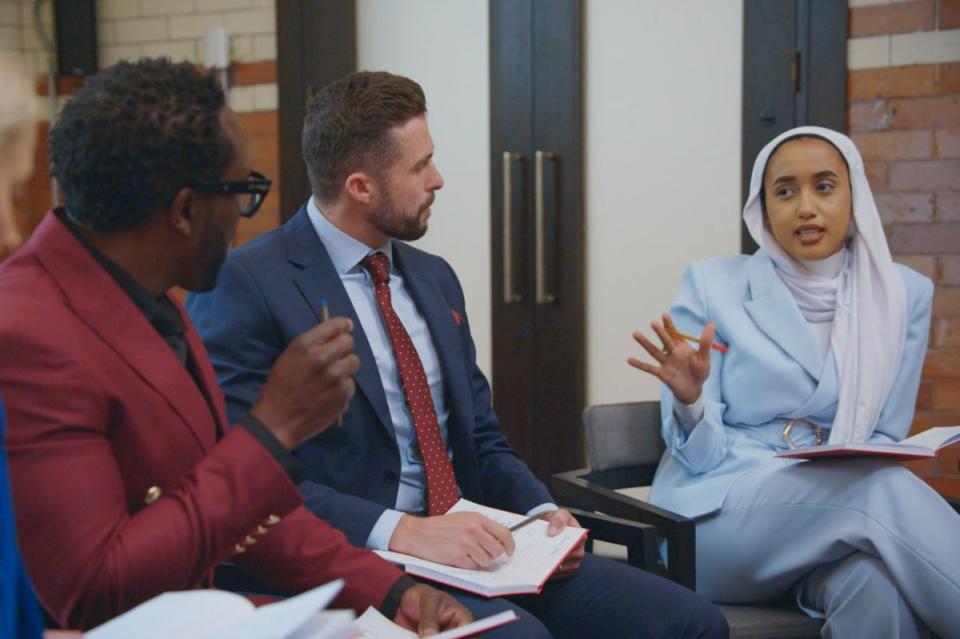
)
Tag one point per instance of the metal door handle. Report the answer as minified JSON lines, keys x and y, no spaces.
{"x":543,"y":297}
{"x":509,"y":295}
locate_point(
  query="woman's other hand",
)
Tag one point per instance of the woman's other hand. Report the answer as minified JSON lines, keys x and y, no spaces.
{"x":681,"y":368}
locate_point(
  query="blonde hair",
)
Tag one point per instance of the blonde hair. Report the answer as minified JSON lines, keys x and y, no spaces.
{"x":18,"y":100}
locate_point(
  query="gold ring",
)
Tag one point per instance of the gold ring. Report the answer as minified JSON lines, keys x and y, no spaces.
{"x":669,"y":352}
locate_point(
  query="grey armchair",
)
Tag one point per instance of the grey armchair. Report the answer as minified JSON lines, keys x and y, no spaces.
{"x":623,"y":449}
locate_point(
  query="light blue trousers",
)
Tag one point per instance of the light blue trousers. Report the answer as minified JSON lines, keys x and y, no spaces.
{"x":863,"y":543}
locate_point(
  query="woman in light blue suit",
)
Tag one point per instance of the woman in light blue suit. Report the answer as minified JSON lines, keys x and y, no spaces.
{"x":827,"y":335}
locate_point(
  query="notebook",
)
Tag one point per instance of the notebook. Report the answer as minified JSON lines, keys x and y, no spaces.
{"x":534,"y":559}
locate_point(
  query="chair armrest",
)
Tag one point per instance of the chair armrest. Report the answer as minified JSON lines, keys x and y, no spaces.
{"x":572,"y":489}
{"x":640,"y":539}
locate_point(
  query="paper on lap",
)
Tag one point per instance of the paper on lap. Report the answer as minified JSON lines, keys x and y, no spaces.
{"x":373,"y":625}
{"x":535,"y":558}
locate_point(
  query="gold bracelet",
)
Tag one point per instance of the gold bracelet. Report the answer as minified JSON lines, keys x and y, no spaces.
{"x":817,"y":431}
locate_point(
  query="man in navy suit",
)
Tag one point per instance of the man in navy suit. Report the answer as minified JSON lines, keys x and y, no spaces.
{"x":420,"y":431}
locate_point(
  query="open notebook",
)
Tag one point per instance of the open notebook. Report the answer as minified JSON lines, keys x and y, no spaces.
{"x":921,"y":446}
{"x":217,"y":614}
{"x":535,"y":558}
{"x":373,"y":625}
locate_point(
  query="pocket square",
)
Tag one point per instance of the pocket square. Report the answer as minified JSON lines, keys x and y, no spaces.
{"x":457,"y":317}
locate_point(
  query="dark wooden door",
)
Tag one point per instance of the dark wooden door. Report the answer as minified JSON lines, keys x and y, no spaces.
{"x":537,"y":228}
{"x":794,"y":74}
{"x":317,"y":45}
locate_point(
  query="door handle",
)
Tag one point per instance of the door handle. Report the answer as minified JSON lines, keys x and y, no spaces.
{"x":510,"y":296}
{"x":543,"y":296}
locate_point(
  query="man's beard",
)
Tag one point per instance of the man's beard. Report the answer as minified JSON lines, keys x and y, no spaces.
{"x":394,"y":223}
{"x":213,"y":251}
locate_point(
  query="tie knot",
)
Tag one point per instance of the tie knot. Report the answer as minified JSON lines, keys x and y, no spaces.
{"x":379,"y":267}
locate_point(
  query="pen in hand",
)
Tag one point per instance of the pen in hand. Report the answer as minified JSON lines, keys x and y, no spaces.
{"x":690,"y":338}
{"x":520,"y":524}
{"x":324,"y":316}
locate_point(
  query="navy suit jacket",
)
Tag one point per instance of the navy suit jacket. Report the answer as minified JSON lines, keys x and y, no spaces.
{"x":269,"y":292}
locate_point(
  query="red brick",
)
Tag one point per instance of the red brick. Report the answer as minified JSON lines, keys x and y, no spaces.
{"x":264,"y":151}
{"x":925,"y":396}
{"x":945,"y":485}
{"x":924,"y":264}
{"x":891,"y":82}
{"x":947,"y":143}
{"x":895,"y":145}
{"x":948,"y":459}
{"x":259,"y":123}
{"x":245,"y":74}
{"x":905,"y":207}
{"x":948,"y":78}
{"x":923,"y":467}
{"x":949,"y":270}
{"x":939,"y":237}
{"x":946,"y":332}
{"x":946,"y":397}
{"x":925,"y":175}
{"x":924,"y":113}
{"x":949,"y":14}
{"x":894,"y":18}
{"x":928,"y":419}
{"x":877,"y":175}
{"x":875,"y":115}
{"x":948,"y":207}
{"x":946,"y":301}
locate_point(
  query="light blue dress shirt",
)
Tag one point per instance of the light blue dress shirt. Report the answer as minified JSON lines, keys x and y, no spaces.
{"x":346,"y":253}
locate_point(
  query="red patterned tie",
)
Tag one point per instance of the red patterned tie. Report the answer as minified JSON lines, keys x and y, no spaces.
{"x":441,"y":481}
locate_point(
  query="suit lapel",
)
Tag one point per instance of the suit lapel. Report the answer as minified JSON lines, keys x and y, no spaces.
{"x":207,"y":377}
{"x":110,"y":313}
{"x":439,"y":315}
{"x":773,"y":309}
{"x":317,"y":279}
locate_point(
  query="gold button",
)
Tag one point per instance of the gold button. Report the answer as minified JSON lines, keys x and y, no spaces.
{"x":261,"y":530}
{"x":153,"y":494}
{"x":273,"y":520}
{"x":249,"y":541}
{"x":238,"y":549}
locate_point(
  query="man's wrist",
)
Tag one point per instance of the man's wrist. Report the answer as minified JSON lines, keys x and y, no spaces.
{"x":401,"y":531}
{"x":269,"y":440}
{"x":391,"y":603}
{"x":381,"y":535}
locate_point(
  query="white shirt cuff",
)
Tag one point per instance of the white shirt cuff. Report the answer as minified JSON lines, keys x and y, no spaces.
{"x":382,"y":531}
{"x":542,"y":508}
{"x":688,"y":415}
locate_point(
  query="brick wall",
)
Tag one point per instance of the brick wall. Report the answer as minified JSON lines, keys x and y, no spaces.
{"x":904,"y":115}
{"x":130,"y":29}
{"x":10,"y":29}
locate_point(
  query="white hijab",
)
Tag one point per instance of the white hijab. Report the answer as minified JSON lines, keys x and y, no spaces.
{"x":868,"y":296}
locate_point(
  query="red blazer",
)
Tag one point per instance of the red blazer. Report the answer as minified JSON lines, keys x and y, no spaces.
{"x":127,"y":482}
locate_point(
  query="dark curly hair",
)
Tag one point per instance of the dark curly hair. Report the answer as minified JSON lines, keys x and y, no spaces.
{"x":132,"y":137}
{"x":347,"y":124}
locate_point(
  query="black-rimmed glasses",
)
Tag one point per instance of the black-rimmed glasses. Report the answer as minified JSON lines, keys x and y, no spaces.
{"x":250,"y":192}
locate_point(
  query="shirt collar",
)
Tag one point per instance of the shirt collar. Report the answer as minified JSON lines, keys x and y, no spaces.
{"x":160,"y":312}
{"x":345,"y":251}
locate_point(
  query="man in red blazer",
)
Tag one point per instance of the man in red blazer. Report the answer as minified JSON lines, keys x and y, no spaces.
{"x":127,"y":481}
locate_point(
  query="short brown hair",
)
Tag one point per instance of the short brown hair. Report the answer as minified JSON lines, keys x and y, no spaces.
{"x":347,"y":126}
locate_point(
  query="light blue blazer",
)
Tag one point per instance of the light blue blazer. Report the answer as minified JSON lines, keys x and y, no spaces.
{"x":773,"y":372}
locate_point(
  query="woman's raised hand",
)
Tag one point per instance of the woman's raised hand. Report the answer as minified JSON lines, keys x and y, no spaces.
{"x":682,"y":369}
